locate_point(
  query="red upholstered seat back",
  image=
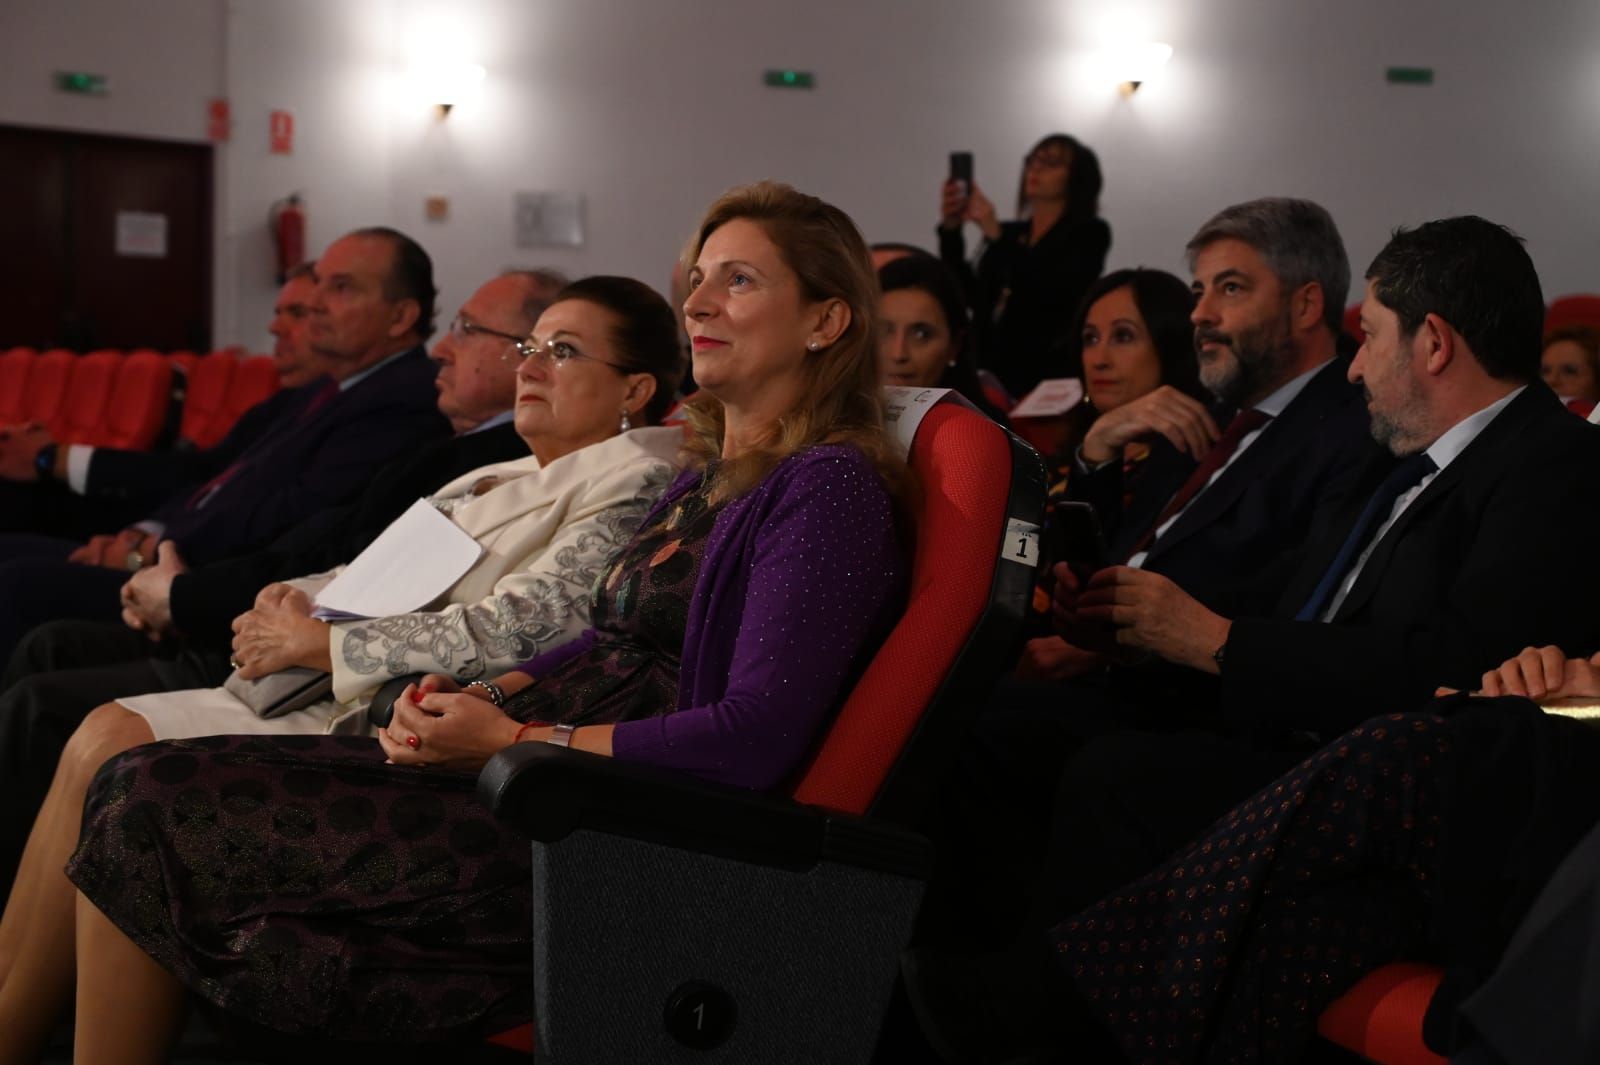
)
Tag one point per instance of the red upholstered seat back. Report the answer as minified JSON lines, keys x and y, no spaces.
{"x":1352,"y":322}
{"x":15,"y":366}
{"x":184,"y":360}
{"x":995,"y":392}
{"x":137,"y":410}
{"x":47,"y":386}
{"x":204,"y":396}
{"x":255,"y":379}
{"x":83,"y":408}
{"x":1573,"y":310}
{"x":963,"y":462}
{"x":1381,"y":1017}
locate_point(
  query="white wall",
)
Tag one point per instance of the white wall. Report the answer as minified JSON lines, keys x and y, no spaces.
{"x":652,"y":107}
{"x":161,"y":59}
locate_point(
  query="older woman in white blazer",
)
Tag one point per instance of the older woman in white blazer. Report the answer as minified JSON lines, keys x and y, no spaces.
{"x":599,"y":370}
{"x":546,"y":524}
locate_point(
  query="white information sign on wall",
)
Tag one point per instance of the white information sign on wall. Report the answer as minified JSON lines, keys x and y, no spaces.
{"x":549,"y":219}
{"x":141,"y":235}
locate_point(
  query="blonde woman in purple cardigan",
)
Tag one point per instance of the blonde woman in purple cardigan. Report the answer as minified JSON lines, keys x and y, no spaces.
{"x":723,"y":636}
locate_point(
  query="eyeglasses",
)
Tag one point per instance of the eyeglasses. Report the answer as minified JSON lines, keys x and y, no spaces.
{"x":462,"y":330}
{"x":555,"y":354}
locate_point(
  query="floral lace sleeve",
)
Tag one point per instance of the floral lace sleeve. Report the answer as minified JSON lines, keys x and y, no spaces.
{"x":541,"y":604}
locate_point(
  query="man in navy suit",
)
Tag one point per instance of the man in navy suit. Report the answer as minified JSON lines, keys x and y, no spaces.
{"x":1229,"y":486}
{"x":66,"y":668}
{"x":77,"y":490}
{"x":1444,"y":561}
{"x":374,"y":306}
{"x":1226,"y":492}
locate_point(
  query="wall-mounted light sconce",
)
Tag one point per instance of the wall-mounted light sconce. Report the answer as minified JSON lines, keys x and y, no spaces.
{"x":1133,"y":64}
{"x":444,"y":84}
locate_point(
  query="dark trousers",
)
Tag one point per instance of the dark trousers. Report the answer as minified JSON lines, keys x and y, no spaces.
{"x":53,"y":509}
{"x":1127,"y":800}
{"x":60,"y":673}
{"x":38,"y":584}
{"x":990,"y":819}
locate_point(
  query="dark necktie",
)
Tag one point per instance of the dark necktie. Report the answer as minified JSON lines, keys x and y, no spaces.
{"x":1401,"y":480}
{"x":205,"y":492}
{"x":1244,"y":423}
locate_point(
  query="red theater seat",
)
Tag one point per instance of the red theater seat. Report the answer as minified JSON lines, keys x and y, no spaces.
{"x":1381,"y":1017}
{"x":184,"y":359}
{"x":786,"y":913}
{"x":1573,"y":310}
{"x":1352,"y":323}
{"x":82,"y":412}
{"x":46,"y":389}
{"x":255,"y":379}
{"x":137,"y":411}
{"x":15,"y":366}
{"x":204,"y":396}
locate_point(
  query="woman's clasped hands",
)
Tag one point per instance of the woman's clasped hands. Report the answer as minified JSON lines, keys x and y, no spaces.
{"x":437,"y":724}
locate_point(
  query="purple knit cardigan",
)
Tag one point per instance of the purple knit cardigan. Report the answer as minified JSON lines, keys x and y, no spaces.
{"x":801,"y":579}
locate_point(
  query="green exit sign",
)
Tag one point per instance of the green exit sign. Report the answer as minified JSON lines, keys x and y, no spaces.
{"x":79,"y":82}
{"x":1410,"y":75}
{"x":790,"y":79}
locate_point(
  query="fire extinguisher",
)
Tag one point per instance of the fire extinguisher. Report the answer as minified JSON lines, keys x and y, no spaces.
{"x":287,"y":221}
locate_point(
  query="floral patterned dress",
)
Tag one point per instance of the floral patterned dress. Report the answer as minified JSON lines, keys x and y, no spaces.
{"x":302,"y":884}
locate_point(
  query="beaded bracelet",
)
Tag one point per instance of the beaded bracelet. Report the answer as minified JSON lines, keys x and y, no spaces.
{"x":496,"y":694}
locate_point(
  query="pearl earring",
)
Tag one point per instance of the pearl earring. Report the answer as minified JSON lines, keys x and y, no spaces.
{"x":626,"y":424}
{"x":813,"y":346}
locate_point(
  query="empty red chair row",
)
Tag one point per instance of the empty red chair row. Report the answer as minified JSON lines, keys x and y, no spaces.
{"x":117,"y":399}
{"x":105,"y":398}
{"x":222,"y":387}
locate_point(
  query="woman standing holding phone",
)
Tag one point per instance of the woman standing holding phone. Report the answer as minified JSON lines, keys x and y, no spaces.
{"x":1030,"y":275}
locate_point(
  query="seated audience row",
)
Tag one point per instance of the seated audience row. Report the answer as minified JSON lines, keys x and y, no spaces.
{"x":782,"y":528}
{"x":1175,"y":821}
{"x":1433,"y":564}
{"x":372,"y":398}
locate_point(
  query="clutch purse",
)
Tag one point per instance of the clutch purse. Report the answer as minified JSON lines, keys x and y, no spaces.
{"x":282,"y":692}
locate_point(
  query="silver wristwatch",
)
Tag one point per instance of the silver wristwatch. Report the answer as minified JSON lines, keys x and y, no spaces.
{"x":561,"y":735}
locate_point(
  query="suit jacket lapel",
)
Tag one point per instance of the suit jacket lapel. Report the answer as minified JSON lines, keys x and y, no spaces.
{"x":1278,"y":443}
{"x":1485,"y":451}
{"x":1163,"y":474}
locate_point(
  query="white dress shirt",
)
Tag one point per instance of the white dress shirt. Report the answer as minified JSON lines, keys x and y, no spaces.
{"x":1443,"y":452}
{"x":1274,"y":405}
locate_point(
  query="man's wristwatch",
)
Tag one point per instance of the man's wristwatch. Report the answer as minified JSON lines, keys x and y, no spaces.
{"x":44,"y":462}
{"x":1216,"y":656}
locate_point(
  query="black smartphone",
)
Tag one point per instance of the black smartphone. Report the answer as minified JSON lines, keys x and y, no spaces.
{"x":961,"y":170}
{"x":1073,"y":536}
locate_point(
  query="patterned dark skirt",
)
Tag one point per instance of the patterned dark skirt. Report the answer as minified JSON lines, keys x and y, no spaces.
{"x":302,"y":884}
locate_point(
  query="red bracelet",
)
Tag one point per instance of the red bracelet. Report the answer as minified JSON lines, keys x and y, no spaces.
{"x":518,"y":737}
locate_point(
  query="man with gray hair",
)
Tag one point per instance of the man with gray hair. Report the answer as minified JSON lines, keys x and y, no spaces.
{"x":1232,"y":488}
{"x":1228,"y":493}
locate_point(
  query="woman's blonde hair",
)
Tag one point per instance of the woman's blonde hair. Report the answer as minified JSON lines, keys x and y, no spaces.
{"x":842,"y":402}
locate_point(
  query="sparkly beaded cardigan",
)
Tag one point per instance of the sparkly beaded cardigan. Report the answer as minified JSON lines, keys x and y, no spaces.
{"x":801,"y":579}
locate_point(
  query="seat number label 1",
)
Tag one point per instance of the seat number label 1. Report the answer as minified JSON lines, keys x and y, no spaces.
{"x":1021,"y":543}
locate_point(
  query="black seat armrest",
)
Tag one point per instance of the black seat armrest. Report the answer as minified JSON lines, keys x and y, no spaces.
{"x":548,"y":792}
